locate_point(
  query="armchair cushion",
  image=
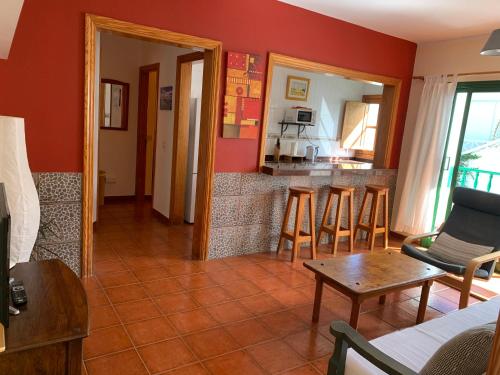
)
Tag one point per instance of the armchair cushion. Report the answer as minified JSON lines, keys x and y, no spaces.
{"x":452,"y":250}
{"x":456,"y":269}
{"x":465,"y":354}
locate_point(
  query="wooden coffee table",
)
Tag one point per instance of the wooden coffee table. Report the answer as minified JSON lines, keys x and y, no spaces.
{"x":363,"y":276}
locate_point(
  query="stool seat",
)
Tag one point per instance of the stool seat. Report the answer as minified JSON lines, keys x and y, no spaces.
{"x":297,"y":236}
{"x":301,"y":190}
{"x":378,"y":193}
{"x":376,"y":187}
{"x":341,"y":188}
{"x":335,"y":229}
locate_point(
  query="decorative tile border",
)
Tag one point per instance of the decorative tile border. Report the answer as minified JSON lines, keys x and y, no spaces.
{"x":248,"y":208}
{"x":60,"y":218}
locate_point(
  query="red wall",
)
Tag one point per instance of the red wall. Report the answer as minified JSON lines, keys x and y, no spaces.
{"x":42,"y":80}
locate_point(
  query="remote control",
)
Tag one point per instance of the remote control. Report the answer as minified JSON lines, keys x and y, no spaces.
{"x":18,"y":293}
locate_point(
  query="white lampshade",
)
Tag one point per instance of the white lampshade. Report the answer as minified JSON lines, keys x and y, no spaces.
{"x":492,"y":46}
{"x":22,"y":197}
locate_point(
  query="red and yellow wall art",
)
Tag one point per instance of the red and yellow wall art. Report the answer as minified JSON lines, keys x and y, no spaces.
{"x":243,"y":98}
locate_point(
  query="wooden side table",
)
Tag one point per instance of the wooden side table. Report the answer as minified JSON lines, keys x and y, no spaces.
{"x":46,"y":338}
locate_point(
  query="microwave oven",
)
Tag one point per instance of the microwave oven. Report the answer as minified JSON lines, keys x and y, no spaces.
{"x":300,"y":116}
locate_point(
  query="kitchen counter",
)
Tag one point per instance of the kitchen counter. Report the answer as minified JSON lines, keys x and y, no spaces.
{"x":312,"y":169}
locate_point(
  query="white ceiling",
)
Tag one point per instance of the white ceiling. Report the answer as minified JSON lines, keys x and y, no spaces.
{"x":9,"y":15}
{"x":414,"y":20}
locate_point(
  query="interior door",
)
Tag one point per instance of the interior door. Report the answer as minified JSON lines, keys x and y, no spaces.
{"x":472,"y":156}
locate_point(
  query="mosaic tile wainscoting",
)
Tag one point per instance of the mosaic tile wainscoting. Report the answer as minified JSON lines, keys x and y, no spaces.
{"x":60,"y":197}
{"x":248,"y":208}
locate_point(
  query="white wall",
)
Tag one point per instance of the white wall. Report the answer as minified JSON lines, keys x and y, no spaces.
{"x":121,"y":59}
{"x":327,"y":95}
{"x":446,"y":57}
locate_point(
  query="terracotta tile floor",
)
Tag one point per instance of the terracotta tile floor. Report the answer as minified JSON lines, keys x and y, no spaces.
{"x":153,"y":310}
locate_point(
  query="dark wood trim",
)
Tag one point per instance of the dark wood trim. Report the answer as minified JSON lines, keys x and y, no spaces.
{"x":181,"y":135}
{"x":110,"y":199}
{"x":157,"y":214}
{"x":142,"y":123}
{"x":125,"y":106}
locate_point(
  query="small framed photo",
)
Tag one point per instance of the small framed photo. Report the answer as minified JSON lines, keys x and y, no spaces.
{"x":297,"y":88}
{"x":166,"y":94}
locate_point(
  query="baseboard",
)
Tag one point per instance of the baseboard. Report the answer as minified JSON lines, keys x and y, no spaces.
{"x":157,"y":214}
{"x":119,"y":199}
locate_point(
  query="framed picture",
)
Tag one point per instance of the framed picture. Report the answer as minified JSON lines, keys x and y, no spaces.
{"x":297,"y":88}
{"x":166,"y":94}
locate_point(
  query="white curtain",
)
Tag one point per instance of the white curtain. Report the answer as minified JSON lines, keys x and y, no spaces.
{"x":417,"y":183}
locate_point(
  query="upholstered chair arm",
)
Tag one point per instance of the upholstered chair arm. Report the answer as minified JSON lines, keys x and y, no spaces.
{"x":346,"y":337}
{"x":412,"y":239}
{"x":471,"y":268}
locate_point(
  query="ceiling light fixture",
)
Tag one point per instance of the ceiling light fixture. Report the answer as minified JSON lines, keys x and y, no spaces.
{"x":492,"y":46}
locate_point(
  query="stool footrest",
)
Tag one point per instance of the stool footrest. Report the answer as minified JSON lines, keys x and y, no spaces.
{"x":366,"y":227}
{"x":331,"y":229}
{"x":303,"y":236}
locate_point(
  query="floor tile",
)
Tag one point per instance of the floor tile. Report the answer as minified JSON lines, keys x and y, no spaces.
{"x":124,"y":363}
{"x":275,"y":356}
{"x":303,"y":370}
{"x":270,"y":283}
{"x":229,"y":312}
{"x":173,"y":303}
{"x":191,"y":321}
{"x":109,"y":266}
{"x":126,"y":293}
{"x":290,"y":297}
{"x":117,"y":279}
{"x":149,"y":274}
{"x":195,"y":369}
{"x":283,"y":323}
{"x":261,"y":304}
{"x":136,"y":310}
{"x":160,"y":287}
{"x":166,"y":355}
{"x":234,"y":363}
{"x":97,"y":297}
{"x":310,"y":344}
{"x":196,"y":281}
{"x":102,"y":317}
{"x":105,"y":341}
{"x":149,"y":331}
{"x":242,"y":288}
{"x":225,"y":276}
{"x":211,"y":343}
{"x":211,"y":296}
{"x":249,"y":332}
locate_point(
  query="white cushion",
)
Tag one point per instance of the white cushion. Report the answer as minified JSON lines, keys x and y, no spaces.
{"x":415,"y":345}
{"x":452,"y":250}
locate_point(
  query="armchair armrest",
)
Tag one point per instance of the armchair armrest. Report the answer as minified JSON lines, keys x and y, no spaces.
{"x":411,"y":239}
{"x":476,"y":262}
{"x":346,"y":337}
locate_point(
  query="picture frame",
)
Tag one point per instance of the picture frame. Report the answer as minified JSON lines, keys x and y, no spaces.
{"x":166,"y":98}
{"x":297,"y":88}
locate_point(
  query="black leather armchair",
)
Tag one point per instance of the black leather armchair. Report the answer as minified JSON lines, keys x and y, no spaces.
{"x":475,"y":218}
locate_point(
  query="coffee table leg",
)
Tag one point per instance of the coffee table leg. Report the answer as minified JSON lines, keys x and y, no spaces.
{"x":317,"y":299}
{"x":356,"y":306}
{"x":424,"y":298}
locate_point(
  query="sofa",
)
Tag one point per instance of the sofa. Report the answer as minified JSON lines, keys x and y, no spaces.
{"x":412,"y":347}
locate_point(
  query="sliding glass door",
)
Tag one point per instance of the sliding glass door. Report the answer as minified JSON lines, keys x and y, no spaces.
{"x":472,"y":155}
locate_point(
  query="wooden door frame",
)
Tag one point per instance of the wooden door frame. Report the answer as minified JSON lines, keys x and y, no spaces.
{"x":181,"y":135}
{"x":387,"y":115}
{"x":208,"y":128}
{"x":142,"y":110}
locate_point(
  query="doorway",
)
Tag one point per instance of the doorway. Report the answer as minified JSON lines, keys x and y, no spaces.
{"x":473,"y":144}
{"x":186,"y":140}
{"x":209,"y":112}
{"x":146,"y":131}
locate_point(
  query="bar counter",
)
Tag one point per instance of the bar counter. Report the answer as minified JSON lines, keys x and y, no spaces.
{"x":313,"y":169}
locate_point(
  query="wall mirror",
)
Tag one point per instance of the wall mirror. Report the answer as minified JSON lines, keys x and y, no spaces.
{"x":351,"y":115}
{"x":113,"y":104}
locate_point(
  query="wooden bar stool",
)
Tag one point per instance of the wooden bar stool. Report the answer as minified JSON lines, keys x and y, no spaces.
{"x":372,"y":228}
{"x":336,"y":230}
{"x":298,"y":236}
